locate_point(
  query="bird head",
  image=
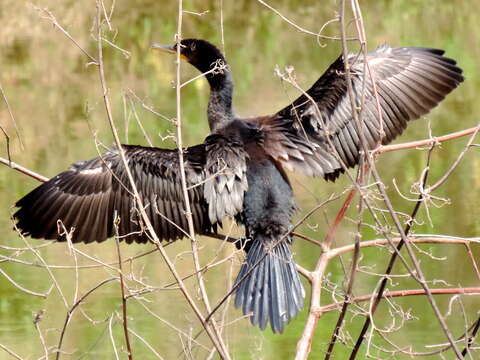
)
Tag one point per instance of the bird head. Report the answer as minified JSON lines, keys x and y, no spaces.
{"x":200,"y":53}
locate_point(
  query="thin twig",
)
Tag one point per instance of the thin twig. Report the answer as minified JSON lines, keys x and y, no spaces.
{"x":122,"y":288}
{"x":20,"y":287}
{"x":47,"y":14}
{"x":146,"y":343}
{"x":36,"y":322}
{"x":471,"y":338}
{"x":444,"y":178}
{"x":23,"y":170}
{"x":223,"y":351}
{"x":112,"y":339}
{"x":10,"y":352}
{"x":71,"y":311}
{"x":14,"y":122}
{"x":296,"y":26}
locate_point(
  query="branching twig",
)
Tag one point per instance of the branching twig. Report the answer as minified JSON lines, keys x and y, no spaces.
{"x":122,"y":288}
{"x":296,"y":26}
{"x":14,"y":122}
{"x":47,"y":14}
{"x":71,"y":311}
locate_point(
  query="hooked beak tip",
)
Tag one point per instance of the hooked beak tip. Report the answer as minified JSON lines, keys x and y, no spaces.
{"x":169,"y":49}
{"x":163,"y":48}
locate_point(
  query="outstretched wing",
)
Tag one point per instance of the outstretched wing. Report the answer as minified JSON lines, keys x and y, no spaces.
{"x":307,"y":134}
{"x":88,"y":195}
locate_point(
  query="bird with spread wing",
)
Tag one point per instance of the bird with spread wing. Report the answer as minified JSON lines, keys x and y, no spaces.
{"x":238,"y":171}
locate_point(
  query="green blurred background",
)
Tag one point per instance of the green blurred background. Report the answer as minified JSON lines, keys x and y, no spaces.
{"x":56,"y":100}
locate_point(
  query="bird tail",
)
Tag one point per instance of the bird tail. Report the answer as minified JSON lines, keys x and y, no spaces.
{"x":269,"y":288}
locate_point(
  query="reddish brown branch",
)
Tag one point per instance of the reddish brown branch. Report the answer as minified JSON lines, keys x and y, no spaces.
{"x":413,"y":239}
{"x":316,"y":277}
{"x":425,"y":142}
{"x":338,"y":219}
{"x":400,"y":293}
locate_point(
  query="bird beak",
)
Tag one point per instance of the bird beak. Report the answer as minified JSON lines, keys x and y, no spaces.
{"x":170,"y":49}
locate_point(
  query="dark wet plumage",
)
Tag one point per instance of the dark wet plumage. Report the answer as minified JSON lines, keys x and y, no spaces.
{"x":239,"y":169}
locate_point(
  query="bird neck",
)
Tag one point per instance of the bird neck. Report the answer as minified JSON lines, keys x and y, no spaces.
{"x":220,"y":110}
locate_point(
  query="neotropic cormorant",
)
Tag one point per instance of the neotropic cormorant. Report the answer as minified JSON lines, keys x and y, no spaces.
{"x":238,"y":171}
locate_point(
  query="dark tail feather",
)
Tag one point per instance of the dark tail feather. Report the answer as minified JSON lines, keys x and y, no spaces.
{"x":272,"y":290}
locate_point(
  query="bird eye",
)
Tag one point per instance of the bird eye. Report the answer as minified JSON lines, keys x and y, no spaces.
{"x":193,"y":46}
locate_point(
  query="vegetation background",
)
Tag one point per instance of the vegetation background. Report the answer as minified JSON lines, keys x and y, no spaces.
{"x":56,"y":100}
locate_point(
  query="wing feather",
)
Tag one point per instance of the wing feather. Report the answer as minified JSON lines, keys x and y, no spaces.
{"x":409,"y":82}
{"x":87,"y":196}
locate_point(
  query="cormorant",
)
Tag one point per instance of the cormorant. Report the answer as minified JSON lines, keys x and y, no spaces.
{"x":238,"y":170}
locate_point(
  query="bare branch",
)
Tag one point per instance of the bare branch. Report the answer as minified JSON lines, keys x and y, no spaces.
{"x":23,"y":170}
